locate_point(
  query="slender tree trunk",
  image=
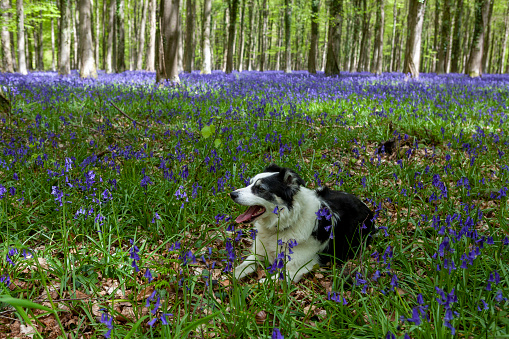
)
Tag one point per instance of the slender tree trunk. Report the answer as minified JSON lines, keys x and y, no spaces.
{"x":288,"y":36}
{"x":170,"y":31}
{"x":346,"y":46}
{"x":504,"y":43}
{"x":487,"y":36}
{"x":356,"y":28}
{"x":456,"y":40}
{"x":313,"y":46}
{"x":250,"y":39}
{"x":325,"y":42}
{"x":97,"y":34}
{"x":281,"y":20}
{"x":444,"y":38}
{"x":436,"y":35}
{"x":151,"y":49}
{"x":189,"y":50}
{"x":40,"y":46}
{"x":22,"y":64}
{"x":64,"y":48}
{"x":121,"y":66}
{"x":233,"y":8}
{"x":88,"y":69}
{"x":393,"y":39}
{"x":141,"y":37}
{"x":241,"y":37}
{"x":379,"y":37}
{"x":263,"y":35}
{"x":180,"y":58}
{"x":413,"y":44}
{"x":206,"y":67}
{"x":226,"y":24}
{"x":53,"y":56}
{"x":74,"y":14}
{"x":365,"y":36}
{"x":334,"y":40}
{"x":111,"y":35}
{"x":491,"y":52}
{"x":6,"y":38}
{"x":481,"y":12}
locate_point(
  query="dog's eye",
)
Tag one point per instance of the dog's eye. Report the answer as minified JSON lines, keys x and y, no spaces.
{"x":261,"y":189}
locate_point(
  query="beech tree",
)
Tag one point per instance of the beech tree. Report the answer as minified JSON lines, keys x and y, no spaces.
{"x":206,"y":66}
{"x":474,"y":64}
{"x":313,"y":45}
{"x":288,"y":36}
{"x":189,"y":51}
{"x":233,"y":6}
{"x":379,"y":38}
{"x":85,"y":53}
{"x":22,"y":65}
{"x":151,"y":49}
{"x":413,"y":43}
{"x":6,"y":38}
{"x":167,"y":68}
{"x":334,"y":39}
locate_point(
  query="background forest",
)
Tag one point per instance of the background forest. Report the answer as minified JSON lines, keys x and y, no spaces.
{"x":367,"y":35}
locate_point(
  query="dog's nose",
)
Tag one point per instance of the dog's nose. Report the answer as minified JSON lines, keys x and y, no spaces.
{"x":234,"y":195}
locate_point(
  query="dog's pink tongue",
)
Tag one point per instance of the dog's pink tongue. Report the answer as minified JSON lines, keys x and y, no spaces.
{"x":247,"y":214}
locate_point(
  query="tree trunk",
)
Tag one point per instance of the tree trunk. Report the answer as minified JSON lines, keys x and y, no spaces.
{"x":264,"y":11}
{"x":226,"y":24}
{"x":141,"y":37}
{"x":487,"y":36}
{"x":86,"y":54}
{"x":413,"y":43}
{"x":241,"y":36}
{"x":355,"y":41}
{"x":151,"y":48}
{"x":53,"y":56}
{"x":189,"y":50}
{"x":111,"y":35}
{"x":379,"y":37}
{"x":64,"y":48}
{"x":325,"y":42}
{"x":6,"y":38}
{"x":22,"y":64}
{"x":474,"y":64}
{"x":250,"y":39}
{"x":395,"y":13}
{"x":74,"y":15}
{"x":456,"y":38}
{"x":120,"y":37}
{"x":504,"y":43}
{"x":444,"y":38}
{"x":334,"y":39}
{"x":96,"y":37}
{"x":206,"y":67}
{"x":313,"y":46}
{"x":233,"y":8}
{"x":168,"y":51}
{"x":288,"y":36}
{"x":40,"y":46}
{"x":363,"y":55}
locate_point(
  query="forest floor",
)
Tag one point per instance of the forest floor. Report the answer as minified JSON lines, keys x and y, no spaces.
{"x":115,"y":218}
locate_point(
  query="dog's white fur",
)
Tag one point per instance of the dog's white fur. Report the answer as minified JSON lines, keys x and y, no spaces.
{"x":297,"y":224}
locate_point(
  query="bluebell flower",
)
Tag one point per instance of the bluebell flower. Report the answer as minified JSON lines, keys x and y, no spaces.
{"x":156,"y":217}
{"x":276,"y":334}
{"x":337,"y":298}
{"x":108,"y":321}
{"x":133,"y":254}
{"x":5,"y":279}
{"x":148,"y":275}
{"x":484,"y":306}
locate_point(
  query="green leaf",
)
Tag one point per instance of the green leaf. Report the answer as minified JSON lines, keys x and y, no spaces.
{"x":207,"y":131}
{"x":135,"y":327}
{"x":23,"y":303}
{"x":217,"y":143}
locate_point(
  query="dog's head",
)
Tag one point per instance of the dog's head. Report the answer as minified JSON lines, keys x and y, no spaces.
{"x":274,"y":187}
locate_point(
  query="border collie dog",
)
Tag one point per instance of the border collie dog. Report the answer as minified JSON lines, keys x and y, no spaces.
{"x":306,"y":226}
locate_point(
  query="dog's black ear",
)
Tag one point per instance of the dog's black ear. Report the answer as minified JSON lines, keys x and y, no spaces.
{"x":273,"y":168}
{"x":291,"y":178}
